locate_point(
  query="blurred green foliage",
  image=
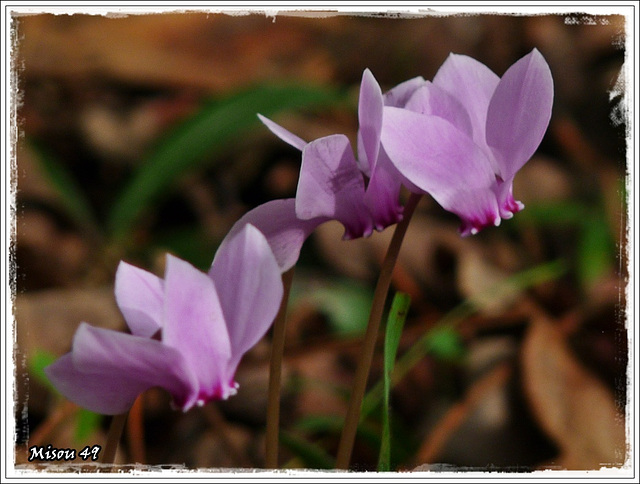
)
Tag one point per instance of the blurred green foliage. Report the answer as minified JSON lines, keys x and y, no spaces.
{"x":393,"y":332}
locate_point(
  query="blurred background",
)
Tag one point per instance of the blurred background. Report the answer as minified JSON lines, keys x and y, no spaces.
{"x":138,"y":137}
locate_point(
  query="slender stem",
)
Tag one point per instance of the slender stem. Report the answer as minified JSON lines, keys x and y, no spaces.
{"x":366,"y":356}
{"x":275,"y":373}
{"x":135,"y":431}
{"x":113,"y":437}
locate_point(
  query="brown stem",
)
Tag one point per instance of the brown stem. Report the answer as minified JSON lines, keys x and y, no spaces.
{"x":366,"y":356}
{"x":113,"y":437}
{"x":135,"y":431}
{"x":275,"y":373}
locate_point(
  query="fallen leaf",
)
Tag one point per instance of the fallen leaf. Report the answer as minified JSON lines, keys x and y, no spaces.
{"x":573,"y":407}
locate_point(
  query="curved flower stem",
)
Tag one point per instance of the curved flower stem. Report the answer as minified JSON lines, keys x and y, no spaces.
{"x":113,"y":437}
{"x":135,"y":431}
{"x":275,"y":372}
{"x":375,"y":316}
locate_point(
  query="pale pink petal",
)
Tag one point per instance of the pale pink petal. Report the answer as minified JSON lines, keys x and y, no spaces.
{"x":249,"y":285}
{"x":519,"y":113}
{"x":444,"y":162}
{"x":284,"y":231}
{"x":283,"y":134}
{"x":431,"y":99}
{"x":399,"y":95}
{"x":195,"y":326}
{"x":107,"y":370}
{"x":370,"y":118}
{"x":472,"y":83}
{"x":331,"y":185}
{"x":383,"y":193}
{"x":139,"y":295}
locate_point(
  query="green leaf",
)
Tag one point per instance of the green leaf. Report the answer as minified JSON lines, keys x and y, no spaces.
{"x":37,"y":363}
{"x":312,"y":455}
{"x":86,"y":424}
{"x":210,"y":130}
{"x":72,"y":197}
{"x":595,"y":250}
{"x":395,"y":323}
{"x":552,"y":213}
{"x":445,"y":343}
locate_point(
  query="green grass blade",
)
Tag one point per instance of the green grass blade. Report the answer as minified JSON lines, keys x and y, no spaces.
{"x":188,"y":146}
{"x":87,"y":423}
{"x":333,"y":424}
{"x":395,"y":323}
{"x":37,"y":363}
{"x":73,"y":200}
{"x":422,"y":347}
{"x":312,"y":455}
{"x":596,"y":250}
{"x":552,"y":213}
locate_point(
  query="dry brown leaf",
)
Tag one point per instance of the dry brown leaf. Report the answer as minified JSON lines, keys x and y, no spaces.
{"x":47,"y":320}
{"x":483,"y":283}
{"x":573,"y":407}
{"x":199,"y":50}
{"x":486,"y":396}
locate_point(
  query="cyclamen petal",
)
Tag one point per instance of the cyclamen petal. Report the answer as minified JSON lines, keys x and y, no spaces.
{"x":463,"y":138}
{"x":382,"y":195}
{"x":282,"y":133}
{"x":519,"y":113}
{"x":251,"y":275}
{"x":399,"y":95}
{"x":332,"y":182}
{"x":139,"y":295}
{"x":331,"y":185}
{"x":472,"y":84}
{"x":283,"y":230}
{"x":370,"y":119}
{"x":432,"y":100}
{"x":198,"y":330}
{"x":107,"y":370}
{"x":198,"y":351}
{"x":442,"y":161}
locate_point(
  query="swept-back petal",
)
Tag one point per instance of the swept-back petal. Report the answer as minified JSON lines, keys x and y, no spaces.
{"x":284,"y":231}
{"x":249,"y":285}
{"x":107,"y":370}
{"x":139,"y":295}
{"x":443,"y":161}
{"x":519,"y":112}
{"x":370,"y":119}
{"x":282,"y":133}
{"x":473,"y":84}
{"x":382,"y":195}
{"x":195,"y":326}
{"x":331,"y":185}
{"x":431,"y":99}
{"x":400,"y":94}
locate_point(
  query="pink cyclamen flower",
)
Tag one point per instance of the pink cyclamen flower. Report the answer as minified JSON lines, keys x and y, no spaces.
{"x":188,"y":330}
{"x":463,"y":137}
{"x":362,"y":193}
